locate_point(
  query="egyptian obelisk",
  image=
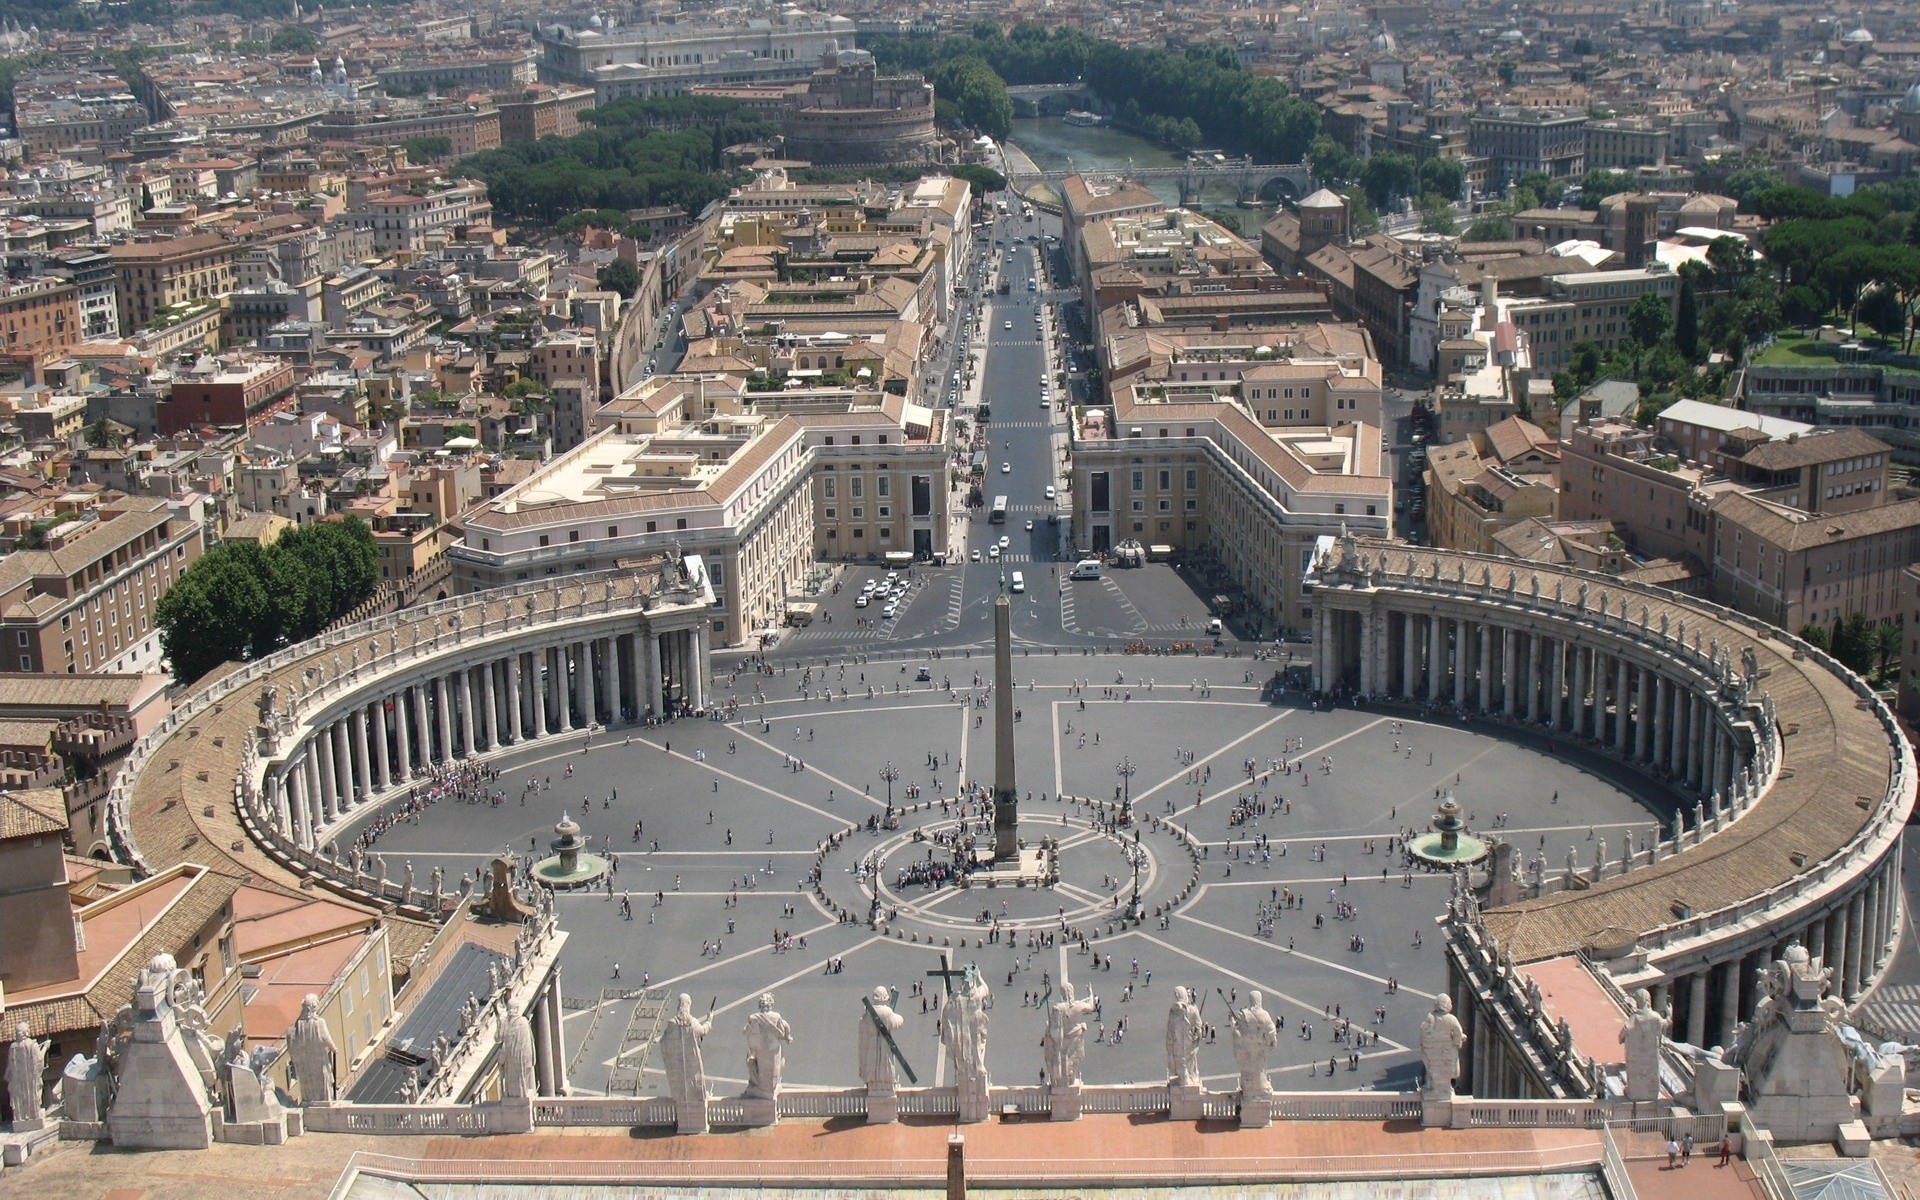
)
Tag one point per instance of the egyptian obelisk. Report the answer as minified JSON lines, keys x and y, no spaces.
{"x":1006,"y":801}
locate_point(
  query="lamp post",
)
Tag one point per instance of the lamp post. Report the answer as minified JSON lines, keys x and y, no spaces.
{"x":1133,"y":905}
{"x":1126,"y":771}
{"x":889,"y":773}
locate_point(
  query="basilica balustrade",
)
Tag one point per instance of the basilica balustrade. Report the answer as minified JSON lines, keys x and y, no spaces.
{"x":1790,"y":780}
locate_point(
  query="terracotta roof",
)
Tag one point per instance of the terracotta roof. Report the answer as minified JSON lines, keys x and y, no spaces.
{"x":1809,"y":449}
{"x":33,"y":812}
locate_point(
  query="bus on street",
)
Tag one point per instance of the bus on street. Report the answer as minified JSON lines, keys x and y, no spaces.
{"x":999,"y":515}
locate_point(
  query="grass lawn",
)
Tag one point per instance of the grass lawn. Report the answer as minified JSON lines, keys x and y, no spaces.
{"x":1794,"y":349}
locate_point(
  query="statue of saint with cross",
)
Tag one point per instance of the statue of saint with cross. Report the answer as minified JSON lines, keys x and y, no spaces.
{"x":963,"y":1031}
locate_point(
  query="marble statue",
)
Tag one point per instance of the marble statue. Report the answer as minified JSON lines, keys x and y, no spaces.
{"x":439,"y":888}
{"x":767,"y":1035}
{"x":1599,"y":859}
{"x":311,"y":1050}
{"x":1064,"y":1044}
{"x":686,"y":1071}
{"x":1441,"y":1038}
{"x":1184,"y":1030}
{"x":269,"y":706}
{"x":26,"y":1075}
{"x":1255,"y":1034}
{"x":406,"y":882}
{"x":1573,"y":864}
{"x":877,"y":1068}
{"x":963,"y":1032}
{"x":516,"y":1057}
{"x":1641,"y":1035}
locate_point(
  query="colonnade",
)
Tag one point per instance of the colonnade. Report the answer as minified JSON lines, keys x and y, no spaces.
{"x":1622,"y":697}
{"x":473,"y":702}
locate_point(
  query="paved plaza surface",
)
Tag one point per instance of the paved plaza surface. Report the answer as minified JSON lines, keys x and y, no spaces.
{"x":738,"y":810}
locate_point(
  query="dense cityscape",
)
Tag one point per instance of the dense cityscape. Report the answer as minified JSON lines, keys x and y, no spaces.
{"x":967,"y":505}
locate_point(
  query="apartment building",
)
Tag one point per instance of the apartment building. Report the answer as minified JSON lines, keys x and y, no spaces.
{"x":1519,"y":141}
{"x":84,"y":604}
{"x":568,"y":364}
{"x":153,"y":276}
{"x":1797,"y":568}
{"x":1479,"y":487}
{"x":227,"y":393}
{"x":1627,"y":143}
{"x":451,"y":72}
{"x":419,"y":217}
{"x":732,"y":488}
{"x":1849,"y":388}
{"x":541,"y":110}
{"x":470,"y":127}
{"x":666,"y":59}
{"x":1193,"y":469}
{"x":1586,"y":306}
{"x":39,"y":315}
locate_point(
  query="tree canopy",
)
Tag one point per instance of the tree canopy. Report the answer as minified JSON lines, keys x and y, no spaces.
{"x":243,"y":600}
{"x":1231,"y":107}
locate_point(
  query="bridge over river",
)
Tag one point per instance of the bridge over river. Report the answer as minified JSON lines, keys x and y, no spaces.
{"x":1249,"y":179}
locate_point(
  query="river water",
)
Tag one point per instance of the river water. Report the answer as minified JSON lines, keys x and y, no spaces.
{"x":1055,"y":145}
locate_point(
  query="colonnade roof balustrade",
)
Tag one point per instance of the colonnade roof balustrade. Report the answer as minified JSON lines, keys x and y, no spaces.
{"x":1846,"y":776}
{"x":173,"y":799}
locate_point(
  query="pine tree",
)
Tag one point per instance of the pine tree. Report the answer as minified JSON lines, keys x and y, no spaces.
{"x":1686,"y":322}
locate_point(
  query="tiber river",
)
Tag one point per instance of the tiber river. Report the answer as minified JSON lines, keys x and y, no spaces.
{"x":1058,"y":146}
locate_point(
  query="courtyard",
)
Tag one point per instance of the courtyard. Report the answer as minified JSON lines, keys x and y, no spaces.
{"x":716,"y":827}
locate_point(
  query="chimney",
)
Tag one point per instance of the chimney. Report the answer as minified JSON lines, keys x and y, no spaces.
{"x":1489,"y":303}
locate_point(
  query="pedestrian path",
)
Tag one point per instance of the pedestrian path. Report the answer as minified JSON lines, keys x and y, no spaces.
{"x":1892,"y":1010}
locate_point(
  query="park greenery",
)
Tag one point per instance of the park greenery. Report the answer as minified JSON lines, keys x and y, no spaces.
{"x":639,"y":154}
{"x":1867,"y":647}
{"x":427,"y":147}
{"x":1229,"y":107}
{"x":243,"y":600}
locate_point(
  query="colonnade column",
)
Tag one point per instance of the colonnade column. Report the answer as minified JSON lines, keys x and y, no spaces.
{"x":617,"y":672}
{"x":1556,"y":688}
{"x":343,"y":764}
{"x":1532,"y":685}
{"x":1696,"y":736}
{"x":382,"y":764}
{"x":543,"y":1048}
{"x":465,"y":677}
{"x":490,"y":699}
{"x":1484,"y":700}
{"x":1433,"y":659}
{"x":559,"y":1028}
{"x":1577,"y":714}
{"x":1409,"y":656}
{"x":423,"y":730}
{"x":1642,"y":726}
{"x":310,"y":781}
{"x":1369,"y":683}
{"x":582,"y":684}
{"x":362,"y":764}
{"x":403,"y":734}
{"x":295,"y":783}
{"x":652,"y":665}
{"x":1460,"y":634}
{"x":515,"y":697}
{"x":1621,"y":706}
{"x":1509,"y":672}
{"x":1850,"y":979}
{"x":1697,"y":1008}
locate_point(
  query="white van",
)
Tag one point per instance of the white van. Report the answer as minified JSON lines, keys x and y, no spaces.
{"x":1019,"y":582}
{"x":1086,"y":568}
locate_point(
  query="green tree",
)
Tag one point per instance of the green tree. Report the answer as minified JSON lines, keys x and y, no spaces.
{"x":1816,"y":636}
{"x":1443,"y":176}
{"x":427,"y":147}
{"x":1802,"y":305}
{"x":1436,"y":214}
{"x":1686,"y":321}
{"x":1650,"y":319}
{"x":1597,"y":185}
{"x":1853,"y":642}
{"x":1550,"y":190}
{"x":1887,"y":644}
{"x":1492,"y":227}
{"x":1331,"y":164}
{"x":293,"y":40}
{"x":981,"y":179}
{"x":101,"y":435}
{"x":619,"y":276}
{"x":1882,"y":311}
{"x":1749,"y":180}
{"x":1387,"y":177}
